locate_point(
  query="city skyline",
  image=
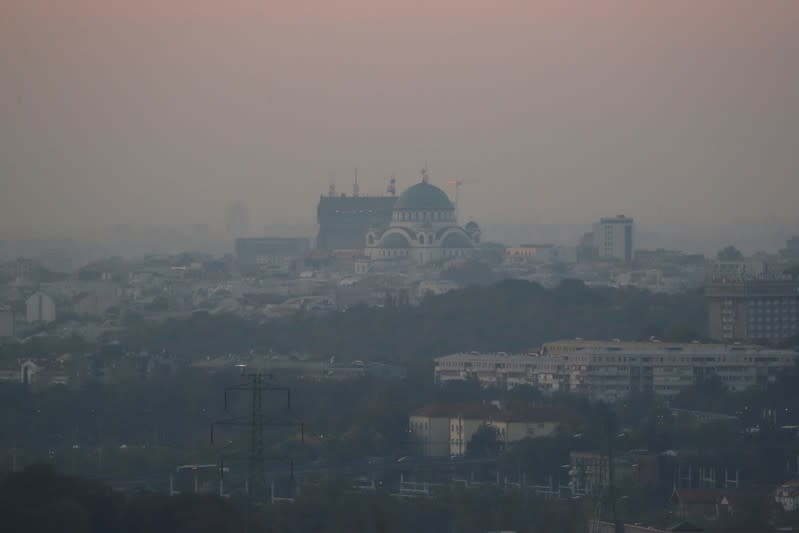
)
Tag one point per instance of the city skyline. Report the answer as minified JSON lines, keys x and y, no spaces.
{"x":166,"y":113}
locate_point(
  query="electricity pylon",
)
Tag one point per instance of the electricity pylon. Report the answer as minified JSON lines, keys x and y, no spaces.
{"x":256,"y":422}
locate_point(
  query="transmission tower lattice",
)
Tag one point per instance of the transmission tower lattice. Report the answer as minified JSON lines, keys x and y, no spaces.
{"x":256,"y":422}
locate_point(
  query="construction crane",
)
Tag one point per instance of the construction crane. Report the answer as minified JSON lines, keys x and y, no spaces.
{"x":457,"y":183}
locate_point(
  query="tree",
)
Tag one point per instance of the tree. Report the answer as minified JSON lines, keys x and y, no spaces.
{"x":471,"y":273}
{"x":729,"y":253}
{"x":484,"y":443}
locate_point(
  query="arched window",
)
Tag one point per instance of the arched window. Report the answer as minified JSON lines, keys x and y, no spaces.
{"x":371,"y":239}
{"x":421,"y":238}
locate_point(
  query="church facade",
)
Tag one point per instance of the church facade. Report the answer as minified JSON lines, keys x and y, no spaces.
{"x":423,"y":229}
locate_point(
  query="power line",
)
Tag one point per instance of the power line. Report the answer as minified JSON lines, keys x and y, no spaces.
{"x":256,"y":423}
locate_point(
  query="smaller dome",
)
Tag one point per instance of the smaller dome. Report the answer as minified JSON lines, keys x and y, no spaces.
{"x":471,"y":226}
{"x":393,"y":240}
{"x":456,"y":240}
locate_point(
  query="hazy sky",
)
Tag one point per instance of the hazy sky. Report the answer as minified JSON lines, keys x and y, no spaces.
{"x":166,"y":111}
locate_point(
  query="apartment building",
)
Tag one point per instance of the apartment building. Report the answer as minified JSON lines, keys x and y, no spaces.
{"x":613,"y":238}
{"x":741,"y":308}
{"x":610,"y":370}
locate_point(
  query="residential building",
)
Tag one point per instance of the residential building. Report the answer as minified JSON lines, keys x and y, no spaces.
{"x":611,"y":370}
{"x":40,"y":374}
{"x":271,"y":253}
{"x":744,"y":308}
{"x":23,"y":271}
{"x":791,"y":250}
{"x":614,"y":238}
{"x":534,"y":254}
{"x":435,"y":287}
{"x":710,"y":505}
{"x":442,"y":430}
{"x":787,"y":496}
{"x":751,"y":267}
{"x":95,"y":301}
{"x":589,"y":470}
{"x":361,"y":369}
{"x":6,"y":322}
{"x":599,"y":526}
{"x":529,"y":254}
{"x":40,"y":308}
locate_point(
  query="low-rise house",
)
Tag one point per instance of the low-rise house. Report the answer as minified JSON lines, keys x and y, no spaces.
{"x":589,"y":471}
{"x":361,"y":369}
{"x":703,"y":417}
{"x":787,"y":496}
{"x":599,"y":526}
{"x":709,"y":505}
{"x":697,"y":504}
{"x":43,"y":373}
{"x":442,"y":430}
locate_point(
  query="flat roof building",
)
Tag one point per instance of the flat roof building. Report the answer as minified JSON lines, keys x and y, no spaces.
{"x":753,"y":308}
{"x":441,"y":430}
{"x":614,"y":238}
{"x":610,"y":370}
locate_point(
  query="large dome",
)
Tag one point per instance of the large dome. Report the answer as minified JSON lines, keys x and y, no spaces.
{"x":423,"y":196}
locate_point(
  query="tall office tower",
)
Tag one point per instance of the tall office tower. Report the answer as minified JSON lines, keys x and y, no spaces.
{"x":614,"y":238}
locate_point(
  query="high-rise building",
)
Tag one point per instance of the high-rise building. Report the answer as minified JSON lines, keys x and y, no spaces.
{"x":745,"y":308}
{"x":237,"y":220}
{"x":40,"y":308}
{"x":614,"y":238}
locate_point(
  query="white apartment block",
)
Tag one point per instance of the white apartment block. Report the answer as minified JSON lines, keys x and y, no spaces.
{"x":611,"y":370}
{"x":614,"y":238}
{"x":40,"y":308}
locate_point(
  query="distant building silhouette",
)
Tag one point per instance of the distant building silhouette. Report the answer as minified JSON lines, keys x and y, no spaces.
{"x":749,"y":308}
{"x":614,"y":238}
{"x":237,"y":220}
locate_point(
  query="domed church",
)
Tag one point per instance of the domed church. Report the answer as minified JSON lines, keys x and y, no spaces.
{"x":423,"y":229}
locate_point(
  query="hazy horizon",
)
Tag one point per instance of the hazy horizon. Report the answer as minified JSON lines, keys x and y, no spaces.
{"x":683,"y":116}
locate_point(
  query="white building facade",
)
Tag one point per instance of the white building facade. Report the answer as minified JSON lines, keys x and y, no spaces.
{"x":441,"y":430}
{"x":609,"y":371}
{"x":40,"y":308}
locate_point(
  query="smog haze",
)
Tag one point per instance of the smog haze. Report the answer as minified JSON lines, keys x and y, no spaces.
{"x":683,"y":115}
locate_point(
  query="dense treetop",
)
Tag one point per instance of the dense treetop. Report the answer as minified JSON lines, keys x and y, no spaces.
{"x":510,"y":316}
